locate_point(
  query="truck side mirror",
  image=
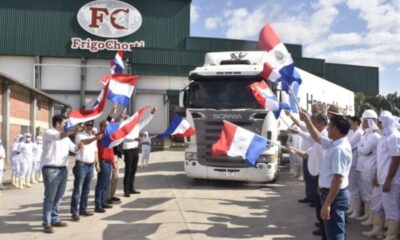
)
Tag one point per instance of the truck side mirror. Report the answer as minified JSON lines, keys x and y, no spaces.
{"x":182,"y":98}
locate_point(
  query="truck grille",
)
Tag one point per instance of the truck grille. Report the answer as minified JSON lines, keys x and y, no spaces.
{"x":207,"y":133}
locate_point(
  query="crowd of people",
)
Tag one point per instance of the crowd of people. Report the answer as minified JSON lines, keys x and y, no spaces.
{"x":46,"y":160}
{"x":350,"y":166}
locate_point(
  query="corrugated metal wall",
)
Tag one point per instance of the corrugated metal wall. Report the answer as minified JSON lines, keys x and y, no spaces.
{"x":356,"y":78}
{"x":45,"y":27}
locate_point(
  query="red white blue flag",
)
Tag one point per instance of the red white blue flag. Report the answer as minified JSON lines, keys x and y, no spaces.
{"x":264,"y":96}
{"x":178,"y":127}
{"x":121,"y":87}
{"x":117,"y":64}
{"x":77,"y":116}
{"x":235,"y":141}
{"x":281,"y":67}
{"x":116,"y":132}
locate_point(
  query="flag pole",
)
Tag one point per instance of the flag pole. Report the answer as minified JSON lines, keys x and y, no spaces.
{"x":294,"y":97}
{"x":275,"y":143}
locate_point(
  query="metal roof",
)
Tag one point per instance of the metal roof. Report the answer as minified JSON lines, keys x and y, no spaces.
{"x":9,"y":79}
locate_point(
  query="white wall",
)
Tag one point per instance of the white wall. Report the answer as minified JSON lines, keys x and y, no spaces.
{"x":65,"y":77}
{"x":160,"y":120}
{"x":96,"y":69}
{"x":19,"y":68}
{"x":162,"y":83}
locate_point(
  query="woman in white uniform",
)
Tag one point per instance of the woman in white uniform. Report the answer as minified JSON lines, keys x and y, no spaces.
{"x":26,"y":158}
{"x":146,"y":149}
{"x":16,"y":166}
{"x":37,"y":154}
{"x":366,"y":162}
{"x":354,"y":137}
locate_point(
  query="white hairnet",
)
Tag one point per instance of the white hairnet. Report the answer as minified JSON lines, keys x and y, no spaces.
{"x":388,"y":122}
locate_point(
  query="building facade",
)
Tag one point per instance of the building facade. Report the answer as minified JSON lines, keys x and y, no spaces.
{"x":44,"y":45}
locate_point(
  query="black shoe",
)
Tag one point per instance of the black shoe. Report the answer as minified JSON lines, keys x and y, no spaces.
{"x":312,"y":205}
{"x":115,"y":199}
{"x":75,"y":217}
{"x":100,"y":210}
{"x":86,"y":213}
{"x":110,"y":202}
{"x":317,"y":224}
{"x":317,"y":232}
{"x":134,"y":192}
{"x":48,"y":230}
{"x":304,"y":200}
{"x":106,"y":206}
{"x":127,"y":195}
{"x":59,"y":224}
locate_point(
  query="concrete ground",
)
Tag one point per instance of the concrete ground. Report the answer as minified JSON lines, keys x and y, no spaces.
{"x":172,"y":206}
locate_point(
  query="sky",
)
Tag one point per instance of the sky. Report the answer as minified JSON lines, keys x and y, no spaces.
{"x":358,"y":32}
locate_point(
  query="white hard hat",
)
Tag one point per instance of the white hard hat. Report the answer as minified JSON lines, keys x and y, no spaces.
{"x":369,"y":113}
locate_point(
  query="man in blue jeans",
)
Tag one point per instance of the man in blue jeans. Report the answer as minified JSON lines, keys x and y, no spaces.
{"x":106,"y":159}
{"x":56,"y":147}
{"x":86,"y":160}
{"x":334,"y":174}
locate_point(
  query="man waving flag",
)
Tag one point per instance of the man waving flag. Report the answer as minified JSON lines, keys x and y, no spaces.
{"x":116,"y":132}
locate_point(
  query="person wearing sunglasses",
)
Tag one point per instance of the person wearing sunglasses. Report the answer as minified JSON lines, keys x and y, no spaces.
{"x":86,"y":161}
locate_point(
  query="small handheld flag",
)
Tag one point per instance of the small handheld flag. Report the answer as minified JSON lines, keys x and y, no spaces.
{"x":117,"y":64}
{"x":77,"y":116}
{"x":235,"y":141}
{"x":178,"y":127}
{"x":264,"y":96}
{"x":281,"y":67}
{"x":116,"y":132}
{"x":121,"y":87}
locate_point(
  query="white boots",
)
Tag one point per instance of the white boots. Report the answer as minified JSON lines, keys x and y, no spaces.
{"x":354,"y":210}
{"x":369,"y":219}
{"x":364,"y":217}
{"x":377,"y":229}
{"x":21,"y":182}
{"x":393,"y":230}
{"x":33,"y":180}
{"x":13,"y":180}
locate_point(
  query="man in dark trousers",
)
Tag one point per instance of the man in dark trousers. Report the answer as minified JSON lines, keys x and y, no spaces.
{"x":131,"y":156}
{"x":334,"y":173}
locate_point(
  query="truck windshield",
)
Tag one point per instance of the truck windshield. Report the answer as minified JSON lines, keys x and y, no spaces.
{"x":223,"y":92}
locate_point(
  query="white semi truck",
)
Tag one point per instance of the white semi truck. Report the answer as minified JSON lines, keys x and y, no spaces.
{"x":218,"y":91}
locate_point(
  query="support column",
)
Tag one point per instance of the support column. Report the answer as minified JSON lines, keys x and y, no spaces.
{"x":83,"y":83}
{"x":38,"y":73}
{"x":32,"y":115}
{"x":51,"y":113}
{"x":5,"y":124}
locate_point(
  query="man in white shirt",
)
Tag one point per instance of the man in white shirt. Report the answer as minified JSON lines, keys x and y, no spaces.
{"x":86,"y":160}
{"x":131,"y":155}
{"x":334,"y":172}
{"x":56,"y":147}
{"x":314,"y":155}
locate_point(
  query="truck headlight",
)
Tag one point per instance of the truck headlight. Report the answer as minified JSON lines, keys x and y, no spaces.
{"x":267,"y":159}
{"x":190,"y":155}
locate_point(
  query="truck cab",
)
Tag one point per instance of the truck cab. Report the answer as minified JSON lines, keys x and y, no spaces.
{"x":219,"y":91}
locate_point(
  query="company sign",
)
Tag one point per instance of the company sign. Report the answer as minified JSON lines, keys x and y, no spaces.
{"x":109,"y":18}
